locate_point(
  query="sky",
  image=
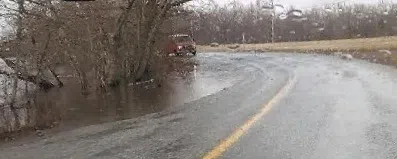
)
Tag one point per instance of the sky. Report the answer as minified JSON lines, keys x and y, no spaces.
{"x":299,"y":4}
{"x":308,"y":3}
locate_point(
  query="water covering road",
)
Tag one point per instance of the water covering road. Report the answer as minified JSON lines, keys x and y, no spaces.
{"x":332,"y":109}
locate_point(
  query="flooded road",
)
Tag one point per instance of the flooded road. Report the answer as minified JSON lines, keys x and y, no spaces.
{"x":66,"y":108}
{"x":235,"y":105}
{"x":184,"y":84}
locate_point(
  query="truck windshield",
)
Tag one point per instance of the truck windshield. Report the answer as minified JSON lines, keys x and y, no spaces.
{"x":182,"y":39}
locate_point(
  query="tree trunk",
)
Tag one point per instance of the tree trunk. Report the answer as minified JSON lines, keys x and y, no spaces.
{"x":16,"y":71}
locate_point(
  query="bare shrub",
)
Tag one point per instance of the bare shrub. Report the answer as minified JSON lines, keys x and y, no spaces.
{"x":107,"y":43}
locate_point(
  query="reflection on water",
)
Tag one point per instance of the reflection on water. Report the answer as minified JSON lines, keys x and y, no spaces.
{"x":66,"y":108}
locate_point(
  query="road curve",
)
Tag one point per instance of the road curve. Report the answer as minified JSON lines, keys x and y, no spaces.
{"x":332,"y":109}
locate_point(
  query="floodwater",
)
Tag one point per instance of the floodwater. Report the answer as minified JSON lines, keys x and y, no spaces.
{"x":66,"y":108}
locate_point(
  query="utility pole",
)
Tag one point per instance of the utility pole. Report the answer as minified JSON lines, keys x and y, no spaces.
{"x":273,"y":18}
{"x":272,"y":7}
{"x":191,"y":28}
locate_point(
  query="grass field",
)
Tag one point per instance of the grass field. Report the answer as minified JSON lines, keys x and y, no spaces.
{"x":380,"y":50}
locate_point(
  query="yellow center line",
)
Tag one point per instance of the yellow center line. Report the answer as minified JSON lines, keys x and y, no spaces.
{"x":217,"y":151}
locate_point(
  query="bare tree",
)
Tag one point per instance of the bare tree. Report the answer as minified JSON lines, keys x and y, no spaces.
{"x":105,"y":42}
{"x":120,"y":36}
{"x":226,"y":24}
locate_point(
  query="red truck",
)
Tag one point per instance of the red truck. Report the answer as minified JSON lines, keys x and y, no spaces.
{"x":180,"y":44}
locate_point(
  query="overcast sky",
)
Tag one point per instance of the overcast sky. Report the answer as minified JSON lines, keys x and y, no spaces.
{"x":308,"y":3}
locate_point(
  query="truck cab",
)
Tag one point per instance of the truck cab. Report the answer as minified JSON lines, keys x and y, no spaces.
{"x":180,"y":44}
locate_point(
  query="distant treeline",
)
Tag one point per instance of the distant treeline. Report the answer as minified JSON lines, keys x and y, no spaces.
{"x":237,"y":23}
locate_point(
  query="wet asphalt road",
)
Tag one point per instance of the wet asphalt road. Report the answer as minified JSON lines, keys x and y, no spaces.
{"x":335,"y":109}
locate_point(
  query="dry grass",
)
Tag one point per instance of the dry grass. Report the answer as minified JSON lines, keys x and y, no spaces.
{"x":345,"y":45}
{"x":365,"y":48}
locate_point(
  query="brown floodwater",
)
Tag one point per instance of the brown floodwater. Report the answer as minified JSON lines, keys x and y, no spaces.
{"x":66,"y":108}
